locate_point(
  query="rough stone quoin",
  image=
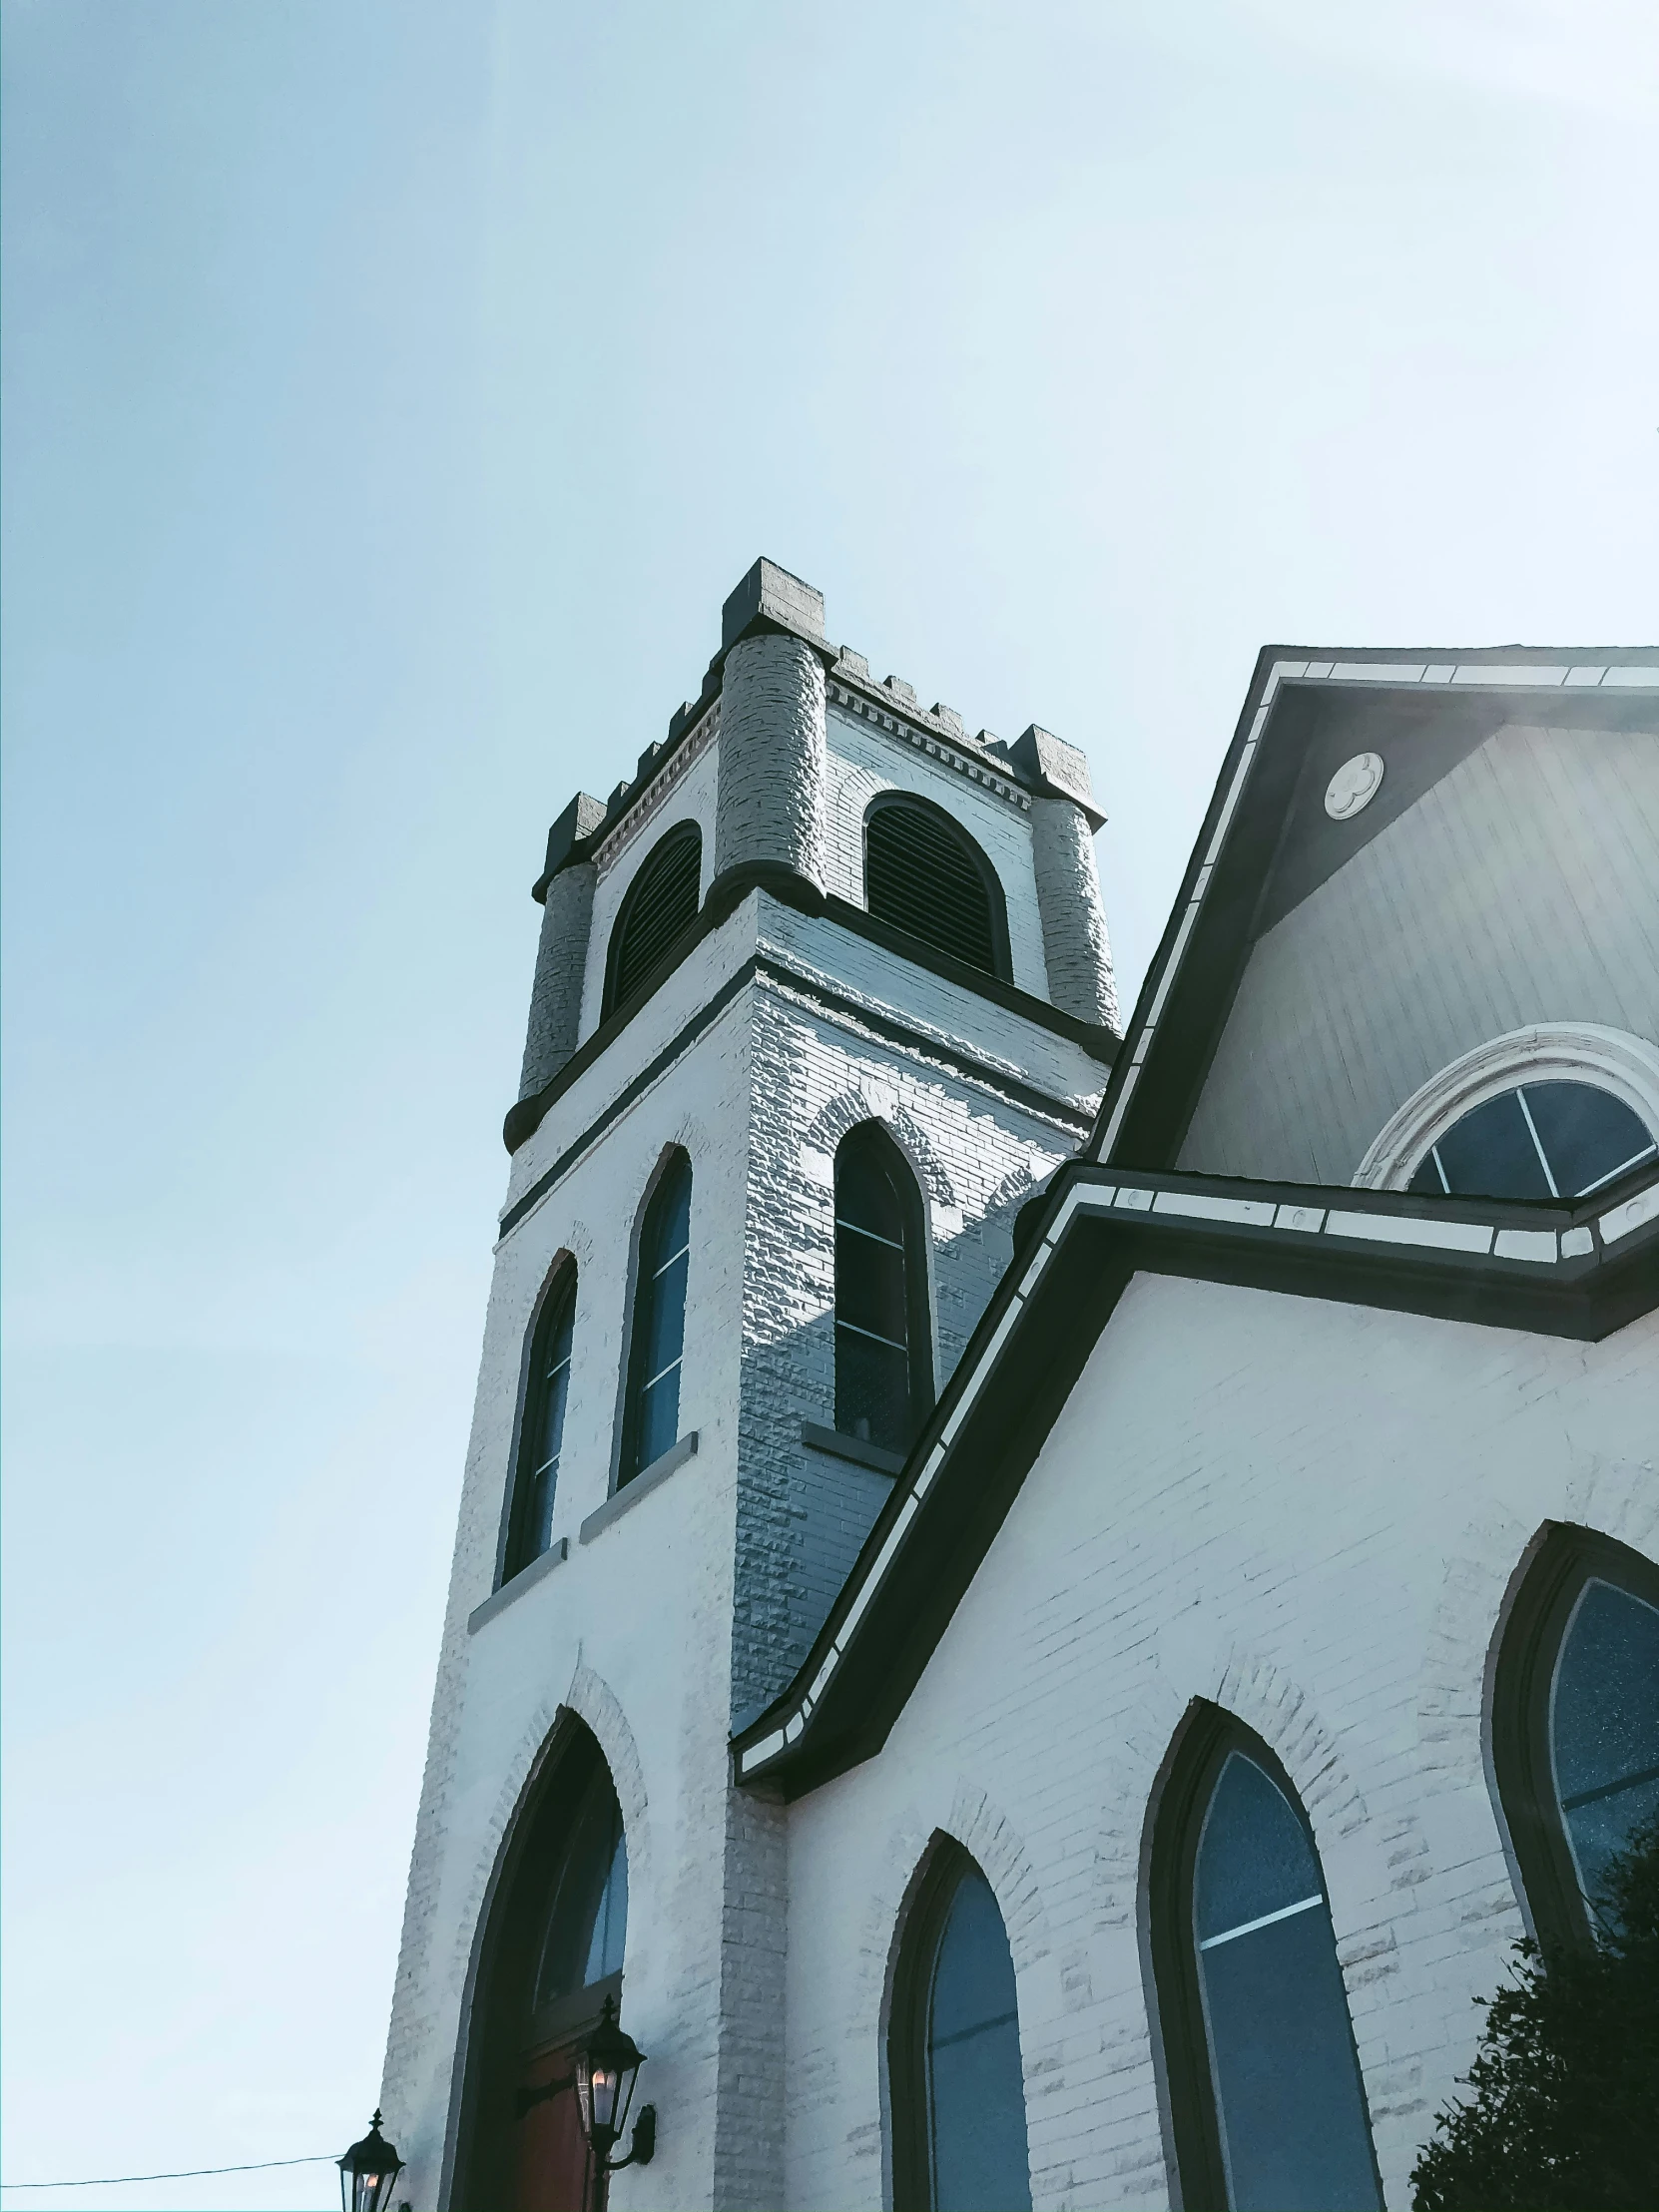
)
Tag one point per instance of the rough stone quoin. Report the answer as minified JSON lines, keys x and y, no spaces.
{"x":1075,"y":946}
{"x":566,"y":889}
{"x":1064,"y":819}
{"x":770,"y":813}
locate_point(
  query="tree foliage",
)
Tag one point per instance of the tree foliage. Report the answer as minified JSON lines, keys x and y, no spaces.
{"x":1565,"y":2109}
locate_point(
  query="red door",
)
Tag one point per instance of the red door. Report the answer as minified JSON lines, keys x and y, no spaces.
{"x":550,"y":2156}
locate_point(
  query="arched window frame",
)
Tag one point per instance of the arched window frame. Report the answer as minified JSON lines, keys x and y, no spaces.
{"x":1561,"y":1560}
{"x":1176,"y":1999}
{"x":495,"y":2012}
{"x":1625,"y":1066}
{"x":972,"y":850}
{"x":556,"y":1302}
{"x":645,"y":875}
{"x":917,"y":1269}
{"x":675,"y":1159}
{"x":921,"y":1930}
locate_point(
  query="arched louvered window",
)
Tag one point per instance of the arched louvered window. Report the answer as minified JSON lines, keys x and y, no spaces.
{"x":883,"y":1365}
{"x":661,"y":902}
{"x":1554,"y":1139}
{"x":957,"y":2086}
{"x":1576,"y":1722}
{"x":542,"y":1423}
{"x":1269,"y":2108}
{"x":650,"y":1421}
{"x":925,"y":875}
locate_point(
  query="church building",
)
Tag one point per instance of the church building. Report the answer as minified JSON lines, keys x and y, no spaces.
{"x":1038,"y":1600}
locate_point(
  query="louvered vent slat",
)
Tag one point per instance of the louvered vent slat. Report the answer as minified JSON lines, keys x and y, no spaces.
{"x":921,"y":875}
{"x":661,"y":902}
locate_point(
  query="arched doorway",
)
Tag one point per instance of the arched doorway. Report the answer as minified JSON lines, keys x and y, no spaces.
{"x":553,"y":1953}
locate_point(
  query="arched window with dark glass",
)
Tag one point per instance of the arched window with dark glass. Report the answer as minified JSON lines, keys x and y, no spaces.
{"x":553,"y":1953}
{"x":1555,"y":1139}
{"x":651,"y":1419}
{"x":954,"y":2072}
{"x":883,"y":1361}
{"x":1576,"y":1722}
{"x":925,"y":875}
{"x":541,"y":1425}
{"x":660,"y":902}
{"x":1268,"y":2104}
{"x":587,"y":1914}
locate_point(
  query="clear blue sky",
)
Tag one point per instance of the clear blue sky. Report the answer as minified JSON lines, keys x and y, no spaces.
{"x":392,"y":391}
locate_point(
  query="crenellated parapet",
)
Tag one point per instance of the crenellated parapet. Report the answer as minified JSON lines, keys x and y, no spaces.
{"x":804,"y":744}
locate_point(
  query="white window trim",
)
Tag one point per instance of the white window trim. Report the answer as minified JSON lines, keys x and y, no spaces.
{"x":1550,"y":1051}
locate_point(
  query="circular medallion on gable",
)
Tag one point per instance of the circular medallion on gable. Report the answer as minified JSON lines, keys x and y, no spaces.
{"x":1353,"y":786}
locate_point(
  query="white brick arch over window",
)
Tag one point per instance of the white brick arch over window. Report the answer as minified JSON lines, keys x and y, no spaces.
{"x":1613,"y":1060}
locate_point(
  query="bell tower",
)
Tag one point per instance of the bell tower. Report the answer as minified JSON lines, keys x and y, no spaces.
{"x":823,"y":992}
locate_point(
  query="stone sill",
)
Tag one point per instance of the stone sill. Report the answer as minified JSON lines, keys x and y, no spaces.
{"x":850,"y":1447}
{"x":630,"y":1493}
{"x":526,"y":1579}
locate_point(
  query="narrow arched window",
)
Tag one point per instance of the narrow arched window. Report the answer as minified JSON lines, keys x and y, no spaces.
{"x":551,"y":1953}
{"x":1576,"y":1722}
{"x":657,"y":1341}
{"x":1270,"y":2113}
{"x":883,"y":1367}
{"x":959,"y":2090}
{"x":925,"y":875}
{"x":661,"y":902}
{"x":575,"y":1963}
{"x":1540,"y":1140}
{"x":586,"y":1926}
{"x":541,"y":1425}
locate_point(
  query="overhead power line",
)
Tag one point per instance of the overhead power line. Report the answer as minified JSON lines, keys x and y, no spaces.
{"x":183,"y":2173}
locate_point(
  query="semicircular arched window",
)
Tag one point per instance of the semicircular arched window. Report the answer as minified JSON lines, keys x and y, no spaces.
{"x":660,"y":902}
{"x":955,"y":2069}
{"x":1552,"y":1139}
{"x":925,"y":875}
{"x":541,"y":1425}
{"x":883,"y":1368}
{"x":1270,"y":2112}
{"x":1576,"y":1722}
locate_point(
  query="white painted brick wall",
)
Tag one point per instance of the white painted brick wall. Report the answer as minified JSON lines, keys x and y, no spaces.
{"x":699,"y":1594}
{"x":1306,"y":1513}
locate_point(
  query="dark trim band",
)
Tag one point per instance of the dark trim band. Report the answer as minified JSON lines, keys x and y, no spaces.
{"x":526,"y":1116}
{"x":1577,"y":1272}
{"x":967,"y":1065}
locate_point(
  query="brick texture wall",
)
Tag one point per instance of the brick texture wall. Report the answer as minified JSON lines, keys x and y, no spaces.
{"x":695,"y":1601}
{"x":1306,"y":1513}
{"x":771,"y":758}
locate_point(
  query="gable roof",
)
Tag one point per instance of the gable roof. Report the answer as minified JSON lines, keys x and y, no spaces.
{"x":1571,"y":1268}
{"x":1266,"y":840}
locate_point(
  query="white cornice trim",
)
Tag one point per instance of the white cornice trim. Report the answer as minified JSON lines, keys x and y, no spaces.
{"x":689,"y":750}
{"x":842,"y":694}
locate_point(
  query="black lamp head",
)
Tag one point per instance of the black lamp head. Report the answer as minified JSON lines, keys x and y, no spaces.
{"x":368,"y":2172}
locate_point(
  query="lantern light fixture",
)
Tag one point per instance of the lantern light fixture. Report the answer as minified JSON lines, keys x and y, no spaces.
{"x":368,"y":2172}
{"x":607,"y":2065}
